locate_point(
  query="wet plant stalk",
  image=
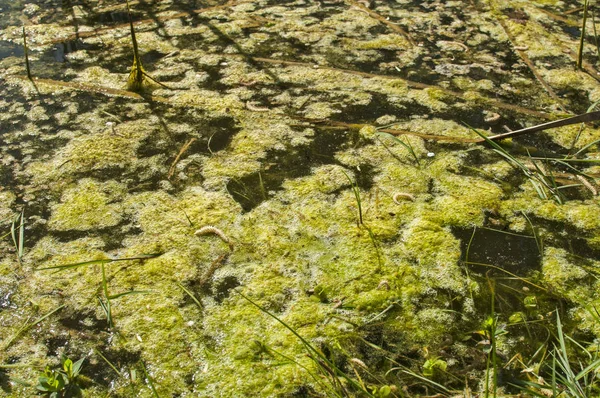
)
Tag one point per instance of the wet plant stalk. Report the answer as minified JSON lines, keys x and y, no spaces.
{"x":26,"y":55}
{"x":582,"y":38}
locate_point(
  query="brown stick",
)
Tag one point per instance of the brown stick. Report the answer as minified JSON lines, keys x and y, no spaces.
{"x":584,"y":118}
{"x":184,"y":148}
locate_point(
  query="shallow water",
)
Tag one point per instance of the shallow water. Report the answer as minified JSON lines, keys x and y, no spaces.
{"x":387,"y":250}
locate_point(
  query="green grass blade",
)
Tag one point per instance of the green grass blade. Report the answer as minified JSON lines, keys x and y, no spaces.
{"x":311,"y":374}
{"x":407,"y":146}
{"x":522,"y":384}
{"x":428,"y":381}
{"x":28,"y":326}
{"x":107,"y":311}
{"x":26,"y":50}
{"x":593,"y":367}
{"x":356,"y":196}
{"x":21,"y":235}
{"x":309,"y":347}
{"x":150,"y":381}
{"x":538,"y":240}
{"x":192,"y":296}
{"x":113,"y":367}
{"x":116,"y":296}
{"x":13,"y":232}
{"x":101,"y":261}
{"x":591,"y":144}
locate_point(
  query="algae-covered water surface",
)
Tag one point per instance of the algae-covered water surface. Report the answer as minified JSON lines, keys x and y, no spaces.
{"x":298,"y":198}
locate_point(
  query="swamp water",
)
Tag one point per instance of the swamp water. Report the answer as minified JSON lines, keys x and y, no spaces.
{"x":327,"y":142}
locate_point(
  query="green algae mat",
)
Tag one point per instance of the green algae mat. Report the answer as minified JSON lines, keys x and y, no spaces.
{"x":306,"y":205}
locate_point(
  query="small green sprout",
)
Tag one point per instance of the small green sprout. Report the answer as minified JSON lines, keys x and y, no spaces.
{"x":434,"y":366}
{"x":63,"y":383}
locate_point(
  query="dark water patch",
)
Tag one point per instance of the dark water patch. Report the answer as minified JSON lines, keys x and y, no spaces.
{"x":577,"y":100}
{"x":522,"y":310}
{"x":38,"y":209}
{"x":5,"y":383}
{"x":322,"y":15}
{"x":224,"y":129}
{"x":114,"y":17}
{"x":384,"y":56}
{"x":112,"y":172}
{"x":555,"y":61}
{"x":446,"y":19}
{"x":84,"y":320}
{"x":214,"y":78}
{"x":378,"y":106}
{"x":567,"y":237}
{"x":539,"y":145}
{"x":514,"y":253}
{"x":119,"y":59}
{"x":253,"y":189}
{"x":191,"y":41}
{"x":287,"y":48}
{"x":426,"y":74}
{"x":101,"y":373}
{"x":222,"y":288}
{"x":378,"y":30}
{"x":7,"y":177}
{"x":56,"y":345}
{"x":112,"y":240}
{"x":149,"y":58}
{"x":61,"y":50}
{"x":283,"y":2}
{"x":300,"y":392}
{"x":10,"y":49}
{"x":573,"y":31}
{"x":6,"y":293}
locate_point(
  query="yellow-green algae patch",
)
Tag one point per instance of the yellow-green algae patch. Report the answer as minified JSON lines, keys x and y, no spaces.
{"x":580,"y":214}
{"x":101,"y":146}
{"x":435,"y":252}
{"x":88,"y":205}
{"x":296,"y":251}
{"x":6,"y":202}
{"x":79,"y":284}
{"x":396,"y":280}
{"x":566,"y":278}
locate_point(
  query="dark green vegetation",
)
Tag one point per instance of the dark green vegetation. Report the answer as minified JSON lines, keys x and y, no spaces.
{"x":313,"y":204}
{"x":66,"y":382}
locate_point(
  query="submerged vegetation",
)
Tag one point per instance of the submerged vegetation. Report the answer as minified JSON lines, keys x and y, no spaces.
{"x":332,"y":198}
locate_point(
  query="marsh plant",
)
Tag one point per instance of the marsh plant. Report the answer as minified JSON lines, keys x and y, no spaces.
{"x":568,"y":376}
{"x":66,"y":382}
{"x":105,"y":298}
{"x":138,"y":74}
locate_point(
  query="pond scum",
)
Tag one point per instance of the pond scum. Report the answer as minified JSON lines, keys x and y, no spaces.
{"x":310,"y":203}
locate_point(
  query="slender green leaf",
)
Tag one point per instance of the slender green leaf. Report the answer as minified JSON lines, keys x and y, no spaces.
{"x":116,"y":296}
{"x":100,"y":261}
{"x":192,"y":296}
{"x":28,"y":326}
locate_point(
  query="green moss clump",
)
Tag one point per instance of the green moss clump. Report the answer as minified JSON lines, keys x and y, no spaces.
{"x":564,"y":277}
{"x":324,"y":179}
{"x":88,"y":205}
{"x":435,"y":253}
